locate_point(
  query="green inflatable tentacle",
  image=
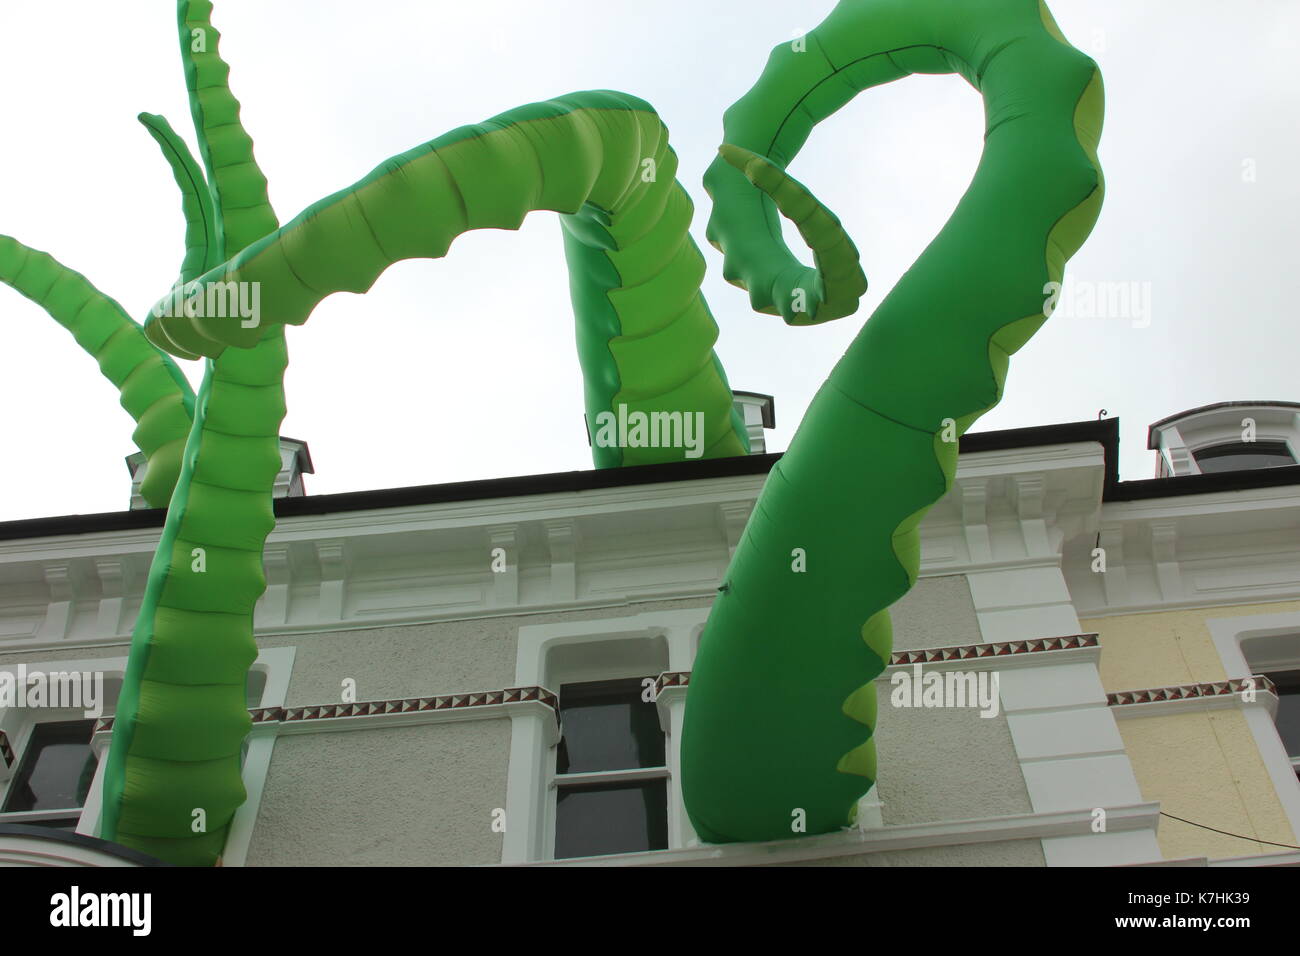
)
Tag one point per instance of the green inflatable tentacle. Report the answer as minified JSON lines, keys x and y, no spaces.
{"x":237,"y":183}
{"x":832,"y":288}
{"x":779,"y":720}
{"x":196,"y":200}
{"x":153,"y":391}
{"x":602,"y":159}
{"x":182,"y":715}
{"x":173,"y":780}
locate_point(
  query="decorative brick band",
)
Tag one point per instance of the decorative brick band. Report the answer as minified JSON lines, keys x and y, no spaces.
{"x":1224,"y":688}
{"x":1004,"y":649}
{"x":6,"y":751}
{"x":512,"y":695}
{"x":672,"y":679}
{"x":934,"y":655}
{"x":402,"y":705}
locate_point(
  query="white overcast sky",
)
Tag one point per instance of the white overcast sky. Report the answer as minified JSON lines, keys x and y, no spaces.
{"x":465,"y":367}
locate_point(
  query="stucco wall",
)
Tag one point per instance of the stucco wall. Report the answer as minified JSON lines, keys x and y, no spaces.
{"x":399,"y":796}
{"x":1166,"y":648}
{"x":425,"y":794}
{"x":937,"y":612}
{"x":1206,"y":767}
{"x":420,"y":660}
{"x":940,"y":764}
{"x":1202,"y":765}
{"x":946,"y":765}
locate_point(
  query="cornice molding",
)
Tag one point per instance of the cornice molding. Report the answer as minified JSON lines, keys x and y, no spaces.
{"x":601,"y":547}
{"x":611,"y":546}
{"x":1213,"y":550}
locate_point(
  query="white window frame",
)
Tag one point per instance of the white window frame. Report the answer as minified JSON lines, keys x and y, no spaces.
{"x":531,"y":789}
{"x":20,"y":723}
{"x":276,"y":664}
{"x":1295,"y":759}
{"x":20,"y":741}
{"x":1229,"y":633}
{"x":559,"y":781}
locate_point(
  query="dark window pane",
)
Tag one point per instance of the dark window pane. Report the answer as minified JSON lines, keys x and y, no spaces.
{"x":56,"y":768}
{"x":1244,"y":456}
{"x":607,"y":726}
{"x":593,"y":819}
{"x":62,"y":823}
{"x":1288,"y":709}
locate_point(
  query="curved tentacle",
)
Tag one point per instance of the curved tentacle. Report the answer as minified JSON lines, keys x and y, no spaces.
{"x":832,"y":288}
{"x":196,"y":201}
{"x":182,"y":715}
{"x":645,"y":334}
{"x":236,"y":180}
{"x":787,"y":659}
{"x":645,"y":340}
{"x":153,"y":391}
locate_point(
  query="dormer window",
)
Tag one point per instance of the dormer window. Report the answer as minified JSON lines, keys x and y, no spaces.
{"x":1227,"y":437}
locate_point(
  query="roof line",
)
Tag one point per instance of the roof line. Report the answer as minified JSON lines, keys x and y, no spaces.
{"x":1104,"y":432}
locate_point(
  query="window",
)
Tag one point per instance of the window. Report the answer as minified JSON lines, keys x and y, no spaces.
{"x":56,"y":779}
{"x":611,"y":775}
{"x":54,"y":774}
{"x":605,"y":778}
{"x":1288,"y":713}
{"x":1268,"y":644}
{"x":1244,"y":456}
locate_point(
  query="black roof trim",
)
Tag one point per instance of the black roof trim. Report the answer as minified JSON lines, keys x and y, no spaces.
{"x":1212,"y":483}
{"x":1104,"y":432}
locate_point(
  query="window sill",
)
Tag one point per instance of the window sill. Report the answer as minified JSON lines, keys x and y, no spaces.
{"x":858,"y":842}
{"x":609,"y":776}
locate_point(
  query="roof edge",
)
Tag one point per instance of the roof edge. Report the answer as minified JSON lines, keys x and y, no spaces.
{"x":1104,"y":432}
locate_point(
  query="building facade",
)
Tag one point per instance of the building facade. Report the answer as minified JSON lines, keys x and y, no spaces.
{"x":496,"y":672}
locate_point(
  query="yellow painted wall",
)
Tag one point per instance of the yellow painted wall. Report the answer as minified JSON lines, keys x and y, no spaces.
{"x":1203,"y":765}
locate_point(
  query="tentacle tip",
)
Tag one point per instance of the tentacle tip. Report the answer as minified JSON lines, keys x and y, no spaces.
{"x":739,"y":157}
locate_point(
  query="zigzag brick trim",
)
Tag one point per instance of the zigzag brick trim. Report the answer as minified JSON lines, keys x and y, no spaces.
{"x":672,"y":679}
{"x":959,"y":652}
{"x":511,"y":695}
{"x":1003,"y":649}
{"x":401,"y":705}
{"x":1223,"y":688}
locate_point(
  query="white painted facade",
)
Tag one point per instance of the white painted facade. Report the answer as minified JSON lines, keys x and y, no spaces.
{"x":617,"y":581}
